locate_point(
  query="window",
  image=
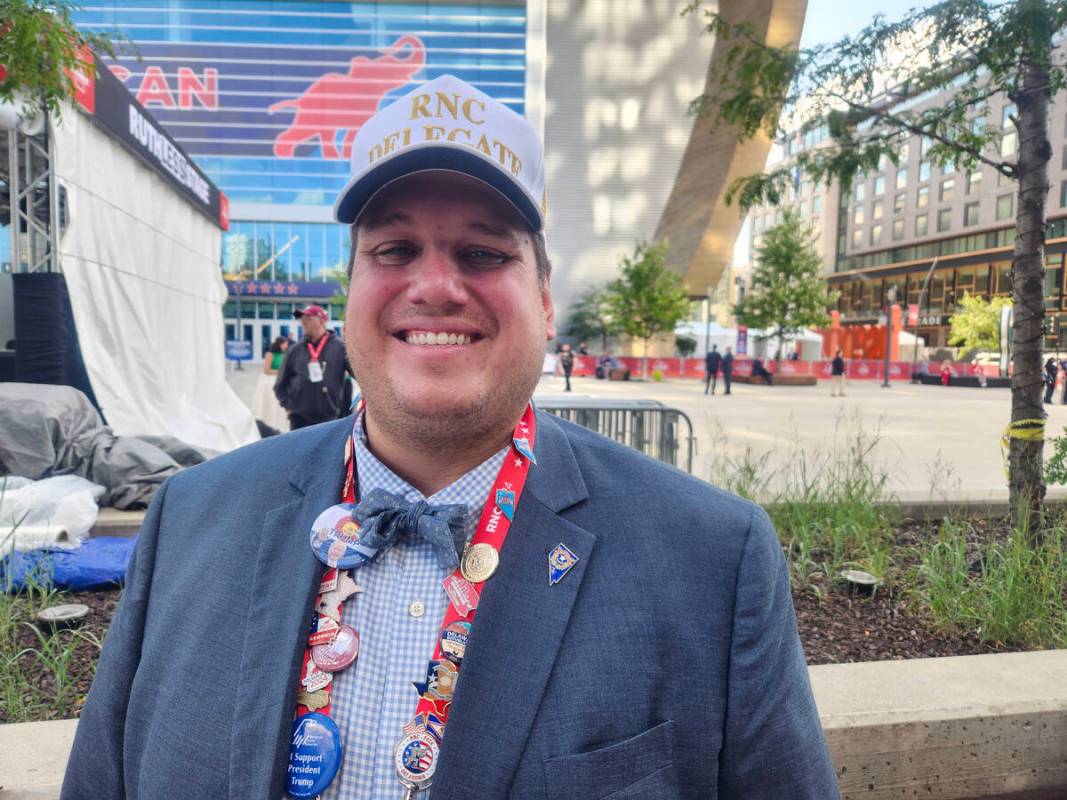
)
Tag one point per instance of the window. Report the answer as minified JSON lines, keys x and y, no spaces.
{"x":816,"y":205}
{"x":879,"y":186}
{"x":1063,"y":158}
{"x":970,"y":214}
{"x":922,"y":197}
{"x":902,"y":177}
{"x":857,"y":237}
{"x":1063,"y":194}
{"x":924,"y":170}
{"x":944,"y":219}
{"x":924,"y":145}
{"x":1006,"y":114}
{"x":978,"y":125}
{"x":1005,"y":206}
{"x":898,"y":229}
{"x":948,"y":190}
{"x":1009,"y":143}
{"x":876,"y":211}
{"x":860,"y":191}
{"x":898,"y":203}
{"x":920,"y":225}
{"x":857,"y":216}
{"x":902,"y":156}
{"x":876,"y":234}
{"x":974,"y":181}
{"x":948,"y":167}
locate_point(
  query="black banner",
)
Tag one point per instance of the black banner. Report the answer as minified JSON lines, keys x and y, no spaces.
{"x":119,"y":112}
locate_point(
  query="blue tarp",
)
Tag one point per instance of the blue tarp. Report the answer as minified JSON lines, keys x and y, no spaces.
{"x":96,"y":564}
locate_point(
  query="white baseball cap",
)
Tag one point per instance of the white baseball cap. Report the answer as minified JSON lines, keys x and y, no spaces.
{"x":447,"y":124}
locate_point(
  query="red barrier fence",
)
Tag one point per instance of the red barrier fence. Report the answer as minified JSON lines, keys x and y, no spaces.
{"x":855,"y":369}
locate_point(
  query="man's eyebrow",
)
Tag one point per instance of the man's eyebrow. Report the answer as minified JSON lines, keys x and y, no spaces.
{"x":395,"y":218}
{"x":499,"y":231}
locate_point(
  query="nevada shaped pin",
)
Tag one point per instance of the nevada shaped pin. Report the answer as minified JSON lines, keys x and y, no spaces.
{"x":522,"y":444}
{"x":505,"y":501}
{"x":560,"y":561}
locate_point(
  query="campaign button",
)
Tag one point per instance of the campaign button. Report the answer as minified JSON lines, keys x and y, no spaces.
{"x":454,"y":641}
{"x":314,"y":755}
{"x":334,"y":656}
{"x":416,"y":759}
{"x":335,"y":539}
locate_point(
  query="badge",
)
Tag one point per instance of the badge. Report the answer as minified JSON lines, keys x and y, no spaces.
{"x":416,"y":759}
{"x":314,"y":755}
{"x":329,"y":581}
{"x":480,"y":562}
{"x":523,"y":446}
{"x":337,"y":654}
{"x":313,"y":701}
{"x":335,"y":539}
{"x":441,"y":680}
{"x":454,"y":641}
{"x":505,"y":501}
{"x":323,"y":630}
{"x":315,"y":372}
{"x":315,"y":678}
{"x":560,"y":561}
{"x":462,"y":595}
{"x":330,"y":602}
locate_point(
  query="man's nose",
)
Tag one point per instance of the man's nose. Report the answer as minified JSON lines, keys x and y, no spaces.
{"x":437,"y":280}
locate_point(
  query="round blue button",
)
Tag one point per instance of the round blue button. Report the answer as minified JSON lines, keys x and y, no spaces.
{"x":314,"y":755}
{"x":335,"y":539}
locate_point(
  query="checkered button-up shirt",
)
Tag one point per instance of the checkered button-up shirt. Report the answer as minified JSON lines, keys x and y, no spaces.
{"x":398,"y":616}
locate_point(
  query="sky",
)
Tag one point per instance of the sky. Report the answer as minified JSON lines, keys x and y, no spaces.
{"x":829,"y":20}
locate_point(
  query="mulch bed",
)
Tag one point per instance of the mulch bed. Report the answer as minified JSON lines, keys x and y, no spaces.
{"x":835,"y":625}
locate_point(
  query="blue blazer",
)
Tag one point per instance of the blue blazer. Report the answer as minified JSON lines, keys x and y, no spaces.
{"x":666,"y":664}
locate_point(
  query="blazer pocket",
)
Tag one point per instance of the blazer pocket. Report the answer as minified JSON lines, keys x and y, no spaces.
{"x":639,"y":767}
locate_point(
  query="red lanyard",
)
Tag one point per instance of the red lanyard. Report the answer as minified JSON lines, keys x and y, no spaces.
{"x":316,"y":350}
{"x":492,"y":530}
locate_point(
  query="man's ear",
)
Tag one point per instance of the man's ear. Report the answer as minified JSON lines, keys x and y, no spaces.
{"x":549,"y":309}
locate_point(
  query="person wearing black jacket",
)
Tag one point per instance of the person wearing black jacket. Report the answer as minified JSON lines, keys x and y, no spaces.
{"x":1050,"y":378}
{"x":711,"y":368}
{"x":311,"y":384}
{"x":727,"y":368}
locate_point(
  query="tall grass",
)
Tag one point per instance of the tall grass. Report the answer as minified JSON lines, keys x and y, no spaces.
{"x":1013,"y":591}
{"x":831,"y":505}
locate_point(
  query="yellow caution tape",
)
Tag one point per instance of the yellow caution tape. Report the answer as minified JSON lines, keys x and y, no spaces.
{"x":1028,"y":430}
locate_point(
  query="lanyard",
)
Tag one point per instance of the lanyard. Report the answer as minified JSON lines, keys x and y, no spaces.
{"x":416,"y":755}
{"x":316,"y":350}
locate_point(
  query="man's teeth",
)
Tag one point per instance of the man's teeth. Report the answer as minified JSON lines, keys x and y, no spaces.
{"x":425,"y":337}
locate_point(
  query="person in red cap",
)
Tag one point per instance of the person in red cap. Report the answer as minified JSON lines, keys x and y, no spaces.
{"x":311,"y":381}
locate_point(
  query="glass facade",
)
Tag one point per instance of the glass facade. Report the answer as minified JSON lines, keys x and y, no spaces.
{"x":267,"y":95}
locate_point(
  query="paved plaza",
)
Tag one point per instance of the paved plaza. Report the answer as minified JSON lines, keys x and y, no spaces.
{"x":935,"y":442}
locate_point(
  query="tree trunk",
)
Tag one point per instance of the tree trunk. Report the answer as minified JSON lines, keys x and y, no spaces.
{"x":1026,"y":479}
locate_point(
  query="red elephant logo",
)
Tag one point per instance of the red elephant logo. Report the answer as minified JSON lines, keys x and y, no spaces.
{"x":336,"y":102}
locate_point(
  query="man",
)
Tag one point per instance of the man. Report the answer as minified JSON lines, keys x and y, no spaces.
{"x":728,"y":368}
{"x":711,"y":368}
{"x":633,"y":636}
{"x":837,"y":373}
{"x":311,"y":382}
{"x":566,"y":359}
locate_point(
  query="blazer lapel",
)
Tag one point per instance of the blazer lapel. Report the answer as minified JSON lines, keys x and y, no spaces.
{"x":518,"y":629}
{"x":284,"y":577}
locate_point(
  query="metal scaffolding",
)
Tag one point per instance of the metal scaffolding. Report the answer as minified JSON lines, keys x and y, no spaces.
{"x":29,"y":200}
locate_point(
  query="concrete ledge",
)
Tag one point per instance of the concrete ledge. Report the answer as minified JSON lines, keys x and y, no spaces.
{"x":949,"y":728}
{"x":112,"y":522}
{"x":962,"y":727}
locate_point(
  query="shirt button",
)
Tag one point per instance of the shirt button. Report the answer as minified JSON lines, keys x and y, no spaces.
{"x":417,"y":609}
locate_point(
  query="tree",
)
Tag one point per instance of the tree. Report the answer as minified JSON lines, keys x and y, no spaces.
{"x":41,"y":50}
{"x":788,"y":293}
{"x":970,"y":50}
{"x":647,"y":300}
{"x":590,"y":317}
{"x":685,"y":345}
{"x":976,"y":325}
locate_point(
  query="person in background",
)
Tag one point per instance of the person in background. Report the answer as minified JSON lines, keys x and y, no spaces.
{"x":566,"y":360}
{"x":1050,"y":378}
{"x":837,"y":373}
{"x":760,"y":371}
{"x":946,"y":373}
{"x":265,"y":405}
{"x":583,"y":349}
{"x":311,"y":383}
{"x":979,"y":372}
{"x":711,"y":368}
{"x":727,"y":369}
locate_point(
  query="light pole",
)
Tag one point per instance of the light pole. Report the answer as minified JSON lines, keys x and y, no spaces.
{"x":890,"y":298}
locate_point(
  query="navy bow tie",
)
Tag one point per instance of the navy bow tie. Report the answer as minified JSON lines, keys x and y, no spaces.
{"x":384,"y":517}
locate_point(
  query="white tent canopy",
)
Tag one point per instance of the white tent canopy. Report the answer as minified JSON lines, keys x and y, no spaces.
{"x":142,"y":269}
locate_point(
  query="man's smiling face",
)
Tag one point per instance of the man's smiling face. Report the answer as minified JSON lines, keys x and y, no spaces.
{"x":447,"y":320}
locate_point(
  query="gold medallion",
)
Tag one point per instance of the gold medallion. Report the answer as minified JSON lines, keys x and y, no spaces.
{"x":480,"y":562}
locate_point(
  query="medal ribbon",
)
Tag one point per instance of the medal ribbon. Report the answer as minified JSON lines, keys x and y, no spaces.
{"x":316,"y":350}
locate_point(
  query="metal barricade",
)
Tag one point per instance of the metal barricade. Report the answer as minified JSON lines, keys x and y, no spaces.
{"x":645,"y":425}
